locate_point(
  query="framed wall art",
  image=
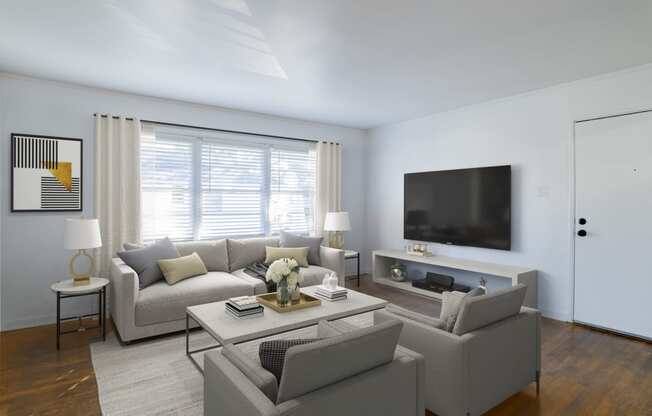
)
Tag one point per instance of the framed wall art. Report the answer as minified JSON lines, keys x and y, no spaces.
{"x":46,"y":173}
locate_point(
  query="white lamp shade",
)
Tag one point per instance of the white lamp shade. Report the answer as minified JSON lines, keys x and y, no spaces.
{"x":80,"y":233}
{"x":337,"y":221}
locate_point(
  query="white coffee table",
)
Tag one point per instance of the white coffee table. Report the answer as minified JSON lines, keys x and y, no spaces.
{"x":227,"y":329}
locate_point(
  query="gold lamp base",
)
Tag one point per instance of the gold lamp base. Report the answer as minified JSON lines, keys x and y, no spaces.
{"x":336,"y":240}
{"x":81,"y":279}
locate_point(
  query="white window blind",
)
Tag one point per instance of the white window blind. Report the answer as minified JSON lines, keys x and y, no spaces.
{"x":167,"y":188}
{"x":232,"y":191}
{"x":199,"y":187}
{"x":292,"y":190}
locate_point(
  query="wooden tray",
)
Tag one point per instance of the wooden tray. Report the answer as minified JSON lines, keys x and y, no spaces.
{"x":305,"y":301}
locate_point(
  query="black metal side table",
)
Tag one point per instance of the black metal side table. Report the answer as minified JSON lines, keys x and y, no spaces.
{"x":66,"y":289}
{"x":350,"y":254}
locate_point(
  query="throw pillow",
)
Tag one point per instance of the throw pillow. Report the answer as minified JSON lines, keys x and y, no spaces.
{"x":300,"y":254}
{"x":175,"y":270}
{"x":452,"y":303}
{"x":144,"y":260}
{"x":272,"y":354}
{"x":132,"y":246}
{"x":313,"y":244}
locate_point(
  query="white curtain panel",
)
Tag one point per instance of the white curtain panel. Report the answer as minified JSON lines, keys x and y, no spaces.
{"x":117,"y":184}
{"x":328,"y":195}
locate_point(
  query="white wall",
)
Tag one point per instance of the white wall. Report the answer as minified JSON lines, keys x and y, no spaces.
{"x":533,"y":133}
{"x":32,"y":255}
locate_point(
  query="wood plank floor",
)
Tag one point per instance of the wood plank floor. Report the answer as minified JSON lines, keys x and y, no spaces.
{"x":585,"y":372}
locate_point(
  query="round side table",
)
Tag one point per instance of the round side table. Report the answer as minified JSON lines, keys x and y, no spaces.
{"x":66,"y":289}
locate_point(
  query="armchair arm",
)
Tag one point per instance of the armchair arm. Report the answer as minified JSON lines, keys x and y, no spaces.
{"x":333,"y":258}
{"x":124,"y":292}
{"x":228,"y":392}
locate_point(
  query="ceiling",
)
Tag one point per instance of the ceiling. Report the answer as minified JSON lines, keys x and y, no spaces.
{"x":359,"y":63}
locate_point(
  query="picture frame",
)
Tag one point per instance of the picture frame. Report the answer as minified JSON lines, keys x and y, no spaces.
{"x":46,"y":173}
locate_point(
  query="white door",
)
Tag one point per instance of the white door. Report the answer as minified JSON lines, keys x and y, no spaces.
{"x":613,"y":196}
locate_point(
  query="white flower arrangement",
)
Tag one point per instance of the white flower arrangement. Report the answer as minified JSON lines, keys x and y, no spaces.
{"x":284,"y":269}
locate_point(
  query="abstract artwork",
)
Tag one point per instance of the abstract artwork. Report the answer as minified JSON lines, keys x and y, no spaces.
{"x":46,"y":173}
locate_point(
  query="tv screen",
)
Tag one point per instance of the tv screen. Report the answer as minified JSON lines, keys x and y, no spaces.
{"x":467,"y":207}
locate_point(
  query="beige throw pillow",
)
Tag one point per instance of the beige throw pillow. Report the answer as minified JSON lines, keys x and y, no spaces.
{"x":300,"y":254}
{"x":175,"y":270}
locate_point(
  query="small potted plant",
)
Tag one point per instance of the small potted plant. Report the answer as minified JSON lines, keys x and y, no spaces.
{"x":285,"y":273}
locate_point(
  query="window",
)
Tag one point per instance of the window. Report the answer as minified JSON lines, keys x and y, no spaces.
{"x":207,"y":187}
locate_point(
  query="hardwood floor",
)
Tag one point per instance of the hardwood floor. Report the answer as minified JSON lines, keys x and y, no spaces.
{"x":585,"y":372}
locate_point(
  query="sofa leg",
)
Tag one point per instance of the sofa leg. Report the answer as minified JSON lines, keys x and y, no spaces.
{"x":538,"y":381}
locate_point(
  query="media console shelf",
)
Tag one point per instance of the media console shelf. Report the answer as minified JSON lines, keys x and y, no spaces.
{"x":384,"y":259}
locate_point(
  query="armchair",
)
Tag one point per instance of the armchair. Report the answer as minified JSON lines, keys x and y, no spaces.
{"x":493,"y":352}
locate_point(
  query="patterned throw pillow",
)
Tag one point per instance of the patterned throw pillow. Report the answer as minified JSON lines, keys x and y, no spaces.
{"x":272,"y":354}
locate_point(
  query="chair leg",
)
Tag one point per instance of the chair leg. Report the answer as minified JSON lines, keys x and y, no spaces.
{"x":538,"y":381}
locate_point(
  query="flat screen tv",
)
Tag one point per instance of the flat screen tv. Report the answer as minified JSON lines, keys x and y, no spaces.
{"x":466,"y":207}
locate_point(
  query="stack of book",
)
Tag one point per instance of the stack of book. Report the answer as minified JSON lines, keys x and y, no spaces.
{"x":339,"y":293}
{"x":244,"y":306}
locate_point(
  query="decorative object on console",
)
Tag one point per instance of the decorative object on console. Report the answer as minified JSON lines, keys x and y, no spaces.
{"x":419,"y":250}
{"x":398,"y":272}
{"x":46,"y":173}
{"x":337,"y":222}
{"x":285,"y":273}
{"x":81,"y":234}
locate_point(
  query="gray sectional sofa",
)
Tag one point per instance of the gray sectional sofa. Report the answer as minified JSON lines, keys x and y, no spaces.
{"x":160,"y":308}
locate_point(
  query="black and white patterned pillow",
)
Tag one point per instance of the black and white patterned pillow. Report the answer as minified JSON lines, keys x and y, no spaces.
{"x":272,"y":353}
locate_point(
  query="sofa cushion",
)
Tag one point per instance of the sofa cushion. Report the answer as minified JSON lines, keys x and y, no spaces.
{"x":414,"y":316}
{"x":313,"y":244}
{"x":213,"y":253}
{"x":184,"y":267}
{"x":161,"y":302}
{"x":300,"y":254}
{"x":259,"y":285}
{"x":318,"y":364}
{"x":255,"y":372}
{"x":144,"y":260}
{"x":479,"y":311}
{"x":248,"y":251}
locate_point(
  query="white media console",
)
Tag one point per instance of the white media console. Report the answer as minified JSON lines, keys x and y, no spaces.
{"x":384,"y":259}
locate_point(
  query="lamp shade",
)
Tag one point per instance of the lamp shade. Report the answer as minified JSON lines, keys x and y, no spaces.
{"x":337,"y":221}
{"x":80,"y":233}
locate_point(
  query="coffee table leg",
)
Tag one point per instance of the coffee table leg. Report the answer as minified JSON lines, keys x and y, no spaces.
{"x":358,"y":269}
{"x":58,"y":318}
{"x":189,"y":353}
{"x":187,"y":336}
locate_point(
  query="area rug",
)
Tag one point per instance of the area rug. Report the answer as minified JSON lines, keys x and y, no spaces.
{"x":156,"y":378}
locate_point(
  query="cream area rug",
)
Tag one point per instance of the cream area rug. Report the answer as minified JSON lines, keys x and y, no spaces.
{"x":156,"y":378}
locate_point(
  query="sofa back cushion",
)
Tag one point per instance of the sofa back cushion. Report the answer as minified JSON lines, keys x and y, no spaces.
{"x":313,"y":244}
{"x":477,"y":312}
{"x":214,"y":254}
{"x":248,"y":251}
{"x":312,"y":366}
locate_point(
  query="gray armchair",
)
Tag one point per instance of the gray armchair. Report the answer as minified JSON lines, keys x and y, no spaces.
{"x":353,"y":373}
{"x":493,"y":351}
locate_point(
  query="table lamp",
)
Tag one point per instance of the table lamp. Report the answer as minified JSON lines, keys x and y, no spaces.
{"x":81,"y":234}
{"x":337,"y":222}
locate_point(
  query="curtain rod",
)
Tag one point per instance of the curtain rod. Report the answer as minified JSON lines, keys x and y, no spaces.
{"x":249,"y":133}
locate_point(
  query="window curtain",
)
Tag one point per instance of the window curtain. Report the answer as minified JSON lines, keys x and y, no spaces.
{"x":117,"y":199}
{"x":328,"y":192}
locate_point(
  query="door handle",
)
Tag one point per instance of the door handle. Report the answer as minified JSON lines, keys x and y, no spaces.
{"x":581,"y":233}
{"x":582,"y":221}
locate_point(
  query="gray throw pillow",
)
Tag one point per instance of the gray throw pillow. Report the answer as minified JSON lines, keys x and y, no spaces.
{"x":272,"y":354}
{"x":144,"y":260}
{"x":313,"y":244}
{"x":451,"y":305}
